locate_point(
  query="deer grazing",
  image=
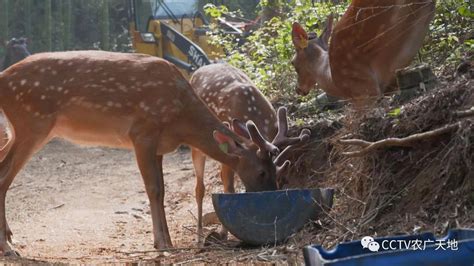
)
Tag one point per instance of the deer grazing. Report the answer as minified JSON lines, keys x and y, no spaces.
{"x":232,"y":96}
{"x":119,"y":100}
{"x":370,"y":42}
{"x":15,"y":51}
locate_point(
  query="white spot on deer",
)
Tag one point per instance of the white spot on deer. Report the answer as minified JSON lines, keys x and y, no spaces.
{"x":14,"y":88}
{"x":160,"y":82}
{"x":71,"y":79}
{"x":59,"y":88}
{"x":17,"y":97}
{"x":66,"y":91}
{"x":60,"y":62}
{"x":43,"y":97}
{"x":266,"y":121}
{"x":37,"y":83}
{"x":246,"y":117}
{"x":218,"y":84}
{"x":54,"y":72}
{"x":111,"y":79}
{"x":88,"y":71}
{"x":69,"y":64}
{"x":249,"y":109}
{"x":23,"y":82}
{"x":246,"y":93}
{"x":253,"y":98}
{"x":37,"y":114}
{"x":28,"y":108}
{"x":265,"y":128}
{"x":110,"y":103}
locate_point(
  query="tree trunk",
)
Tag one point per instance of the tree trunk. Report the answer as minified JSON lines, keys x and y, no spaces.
{"x":60,"y":23}
{"x":104,"y":25}
{"x":67,"y":29}
{"x":4,"y":7}
{"x":48,"y":26}
{"x":28,"y":26}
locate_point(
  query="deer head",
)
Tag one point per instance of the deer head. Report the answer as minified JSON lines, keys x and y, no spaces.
{"x":311,"y":56}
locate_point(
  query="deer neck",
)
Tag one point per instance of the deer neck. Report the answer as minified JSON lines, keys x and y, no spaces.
{"x":203,"y":124}
{"x":324,"y":76}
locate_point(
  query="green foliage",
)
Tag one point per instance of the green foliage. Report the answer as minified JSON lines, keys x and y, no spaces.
{"x":451,"y":33}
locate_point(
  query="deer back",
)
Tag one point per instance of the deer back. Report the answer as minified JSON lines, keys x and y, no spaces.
{"x":230,"y":94}
{"x":374,"y":38}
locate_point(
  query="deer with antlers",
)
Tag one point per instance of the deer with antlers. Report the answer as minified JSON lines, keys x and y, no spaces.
{"x":370,"y":42}
{"x":120,"y":100}
{"x":233,"y":97}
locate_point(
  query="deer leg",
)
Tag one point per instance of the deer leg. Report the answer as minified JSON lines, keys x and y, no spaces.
{"x":151,"y":169}
{"x":22,"y":149}
{"x":199,"y":162}
{"x":227,"y":177}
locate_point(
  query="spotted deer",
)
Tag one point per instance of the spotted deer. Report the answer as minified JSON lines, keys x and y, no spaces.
{"x":118,"y":100}
{"x":370,"y":42}
{"x":233,"y":97}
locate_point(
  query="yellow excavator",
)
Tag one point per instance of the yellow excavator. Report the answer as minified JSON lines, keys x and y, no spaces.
{"x":176,"y":31}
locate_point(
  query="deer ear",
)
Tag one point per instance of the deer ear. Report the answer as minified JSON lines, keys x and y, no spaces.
{"x":300,"y":37}
{"x":226,"y":143}
{"x":327,"y":30}
{"x":240,"y":128}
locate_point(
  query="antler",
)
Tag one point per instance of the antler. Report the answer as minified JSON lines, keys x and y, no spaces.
{"x":282,"y":140}
{"x":266,"y":148}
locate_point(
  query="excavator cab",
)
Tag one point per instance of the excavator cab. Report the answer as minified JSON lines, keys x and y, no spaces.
{"x":176,"y":31}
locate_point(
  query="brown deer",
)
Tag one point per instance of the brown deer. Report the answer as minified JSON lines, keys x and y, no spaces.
{"x":370,"y":42}
{"x":233,"y":97}
{"x":119,"y":100}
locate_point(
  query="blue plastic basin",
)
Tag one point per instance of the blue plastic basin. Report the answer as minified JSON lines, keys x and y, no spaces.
{"x":261,"y":218}
{"x":353,"y":254}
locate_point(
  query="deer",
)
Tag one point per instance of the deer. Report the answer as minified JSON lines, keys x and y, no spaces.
{"x":15,"y":50}
{"x":234,"y":98}
{"x":130,"y":101}
{"x":370,"y":42}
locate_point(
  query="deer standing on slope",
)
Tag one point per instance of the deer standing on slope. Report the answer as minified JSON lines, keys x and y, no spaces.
{"x":371,"y":41}
{"x":233,"y":97}
{"x":118,"y":100}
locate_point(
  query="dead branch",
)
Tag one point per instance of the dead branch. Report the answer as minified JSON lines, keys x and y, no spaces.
{"x":368,"y":146}
{"x":465,"y":113}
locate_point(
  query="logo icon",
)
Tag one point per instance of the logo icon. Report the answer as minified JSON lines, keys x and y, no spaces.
{"x":369,"y":242}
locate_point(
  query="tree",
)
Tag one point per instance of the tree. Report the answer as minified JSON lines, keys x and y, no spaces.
{"x":48,"y":26}
{"x":4,"y":20}
{"x":104,"y":25}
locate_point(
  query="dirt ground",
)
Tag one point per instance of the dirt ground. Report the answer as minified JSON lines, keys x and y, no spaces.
{"x":88,"y":205}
